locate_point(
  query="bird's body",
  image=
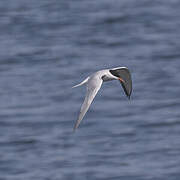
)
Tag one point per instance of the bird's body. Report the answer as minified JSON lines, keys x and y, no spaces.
{"x":95,"y":81}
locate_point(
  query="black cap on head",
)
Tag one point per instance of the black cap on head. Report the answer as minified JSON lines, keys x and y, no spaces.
{"x":125,"y":76}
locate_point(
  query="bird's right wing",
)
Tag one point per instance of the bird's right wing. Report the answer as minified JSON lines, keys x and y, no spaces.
{"x":93,"y":87}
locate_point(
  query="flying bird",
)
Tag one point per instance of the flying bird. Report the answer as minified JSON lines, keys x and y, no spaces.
{"x":95,"y":81}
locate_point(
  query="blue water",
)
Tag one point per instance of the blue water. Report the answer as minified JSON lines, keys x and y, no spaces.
{"x":46,"y":47}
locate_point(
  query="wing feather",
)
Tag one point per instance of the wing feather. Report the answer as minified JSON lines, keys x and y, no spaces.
{"x":93,"y":87}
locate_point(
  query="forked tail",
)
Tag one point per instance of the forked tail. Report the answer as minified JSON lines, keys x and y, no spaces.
{"x":83,"y":82}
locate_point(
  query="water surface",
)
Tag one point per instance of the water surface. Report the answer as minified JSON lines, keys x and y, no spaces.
{"x":46,"y":47}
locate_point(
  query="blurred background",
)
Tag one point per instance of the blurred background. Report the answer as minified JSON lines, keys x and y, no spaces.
{"x":46,"y":47}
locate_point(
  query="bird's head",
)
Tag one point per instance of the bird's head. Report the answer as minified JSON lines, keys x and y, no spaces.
{"x":123,"y":75}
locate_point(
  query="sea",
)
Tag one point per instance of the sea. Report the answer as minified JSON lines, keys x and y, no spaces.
{"x":46,"y":47}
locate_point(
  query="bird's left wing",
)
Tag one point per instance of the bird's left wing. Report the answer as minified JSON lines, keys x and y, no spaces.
{"x":93,"y":87}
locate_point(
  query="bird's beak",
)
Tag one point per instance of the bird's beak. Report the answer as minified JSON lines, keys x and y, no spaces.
{"x":126,"y":86}
{"x":121,"y":80}
{"x":124,"y":77}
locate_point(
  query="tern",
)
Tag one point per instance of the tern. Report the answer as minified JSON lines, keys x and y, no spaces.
{"x":95,"y":81}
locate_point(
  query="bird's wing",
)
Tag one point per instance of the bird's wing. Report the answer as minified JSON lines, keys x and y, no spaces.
{"x":93,"y":87}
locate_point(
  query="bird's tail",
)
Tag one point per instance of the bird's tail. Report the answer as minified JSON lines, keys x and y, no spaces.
{"x":83,"y":82}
